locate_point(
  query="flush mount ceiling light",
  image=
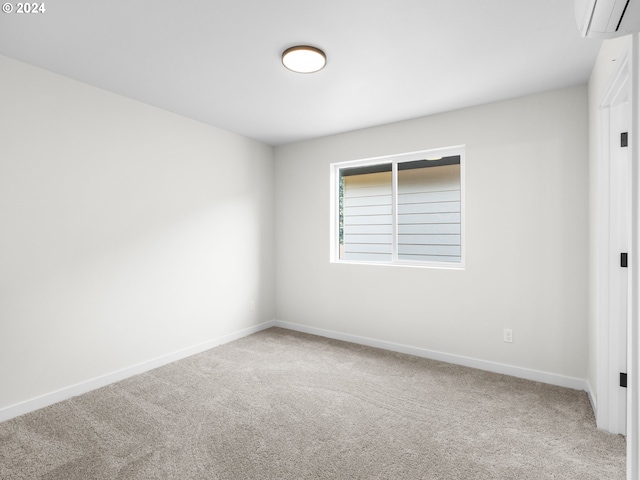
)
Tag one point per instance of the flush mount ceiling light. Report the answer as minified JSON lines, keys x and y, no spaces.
{"x":304,"y":59}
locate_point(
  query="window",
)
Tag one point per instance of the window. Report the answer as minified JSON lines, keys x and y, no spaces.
{"x":404,"y":209}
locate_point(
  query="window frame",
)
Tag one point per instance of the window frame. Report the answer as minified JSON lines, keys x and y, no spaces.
{"x":394,"y":160}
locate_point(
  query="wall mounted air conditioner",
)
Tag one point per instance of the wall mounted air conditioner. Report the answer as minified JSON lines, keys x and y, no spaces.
{"x":607,"y":18}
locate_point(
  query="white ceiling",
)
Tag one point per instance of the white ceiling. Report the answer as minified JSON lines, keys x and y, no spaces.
{"x":218,"y":61}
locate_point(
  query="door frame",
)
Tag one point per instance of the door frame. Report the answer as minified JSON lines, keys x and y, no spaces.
{"x":609,"y":334}
{"x":633,"y":327}
{"x":625,"y":81}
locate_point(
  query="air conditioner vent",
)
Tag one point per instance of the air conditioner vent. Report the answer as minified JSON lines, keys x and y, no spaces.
{"x":607,"y":18}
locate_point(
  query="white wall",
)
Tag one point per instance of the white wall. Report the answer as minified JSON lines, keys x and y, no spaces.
{"x":526,"y":238}
{"x":127,"y":232}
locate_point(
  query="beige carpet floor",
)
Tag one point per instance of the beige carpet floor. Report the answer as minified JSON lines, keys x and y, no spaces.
{"x":284,"y":405}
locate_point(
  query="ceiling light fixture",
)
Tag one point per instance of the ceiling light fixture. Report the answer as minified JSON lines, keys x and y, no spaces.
{"x":304,"y":59}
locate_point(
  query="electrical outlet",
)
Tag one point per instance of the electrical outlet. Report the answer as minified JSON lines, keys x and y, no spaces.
{"x":252,"y":306}
{"x":508,"y":335}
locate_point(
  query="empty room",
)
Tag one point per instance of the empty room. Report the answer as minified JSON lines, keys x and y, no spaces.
{"x":319,"y":240}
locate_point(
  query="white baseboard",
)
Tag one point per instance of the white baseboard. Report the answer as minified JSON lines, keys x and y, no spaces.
{"x":528,"y":374}
{"x":592,"y":399}
{"x":33,"y":404}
